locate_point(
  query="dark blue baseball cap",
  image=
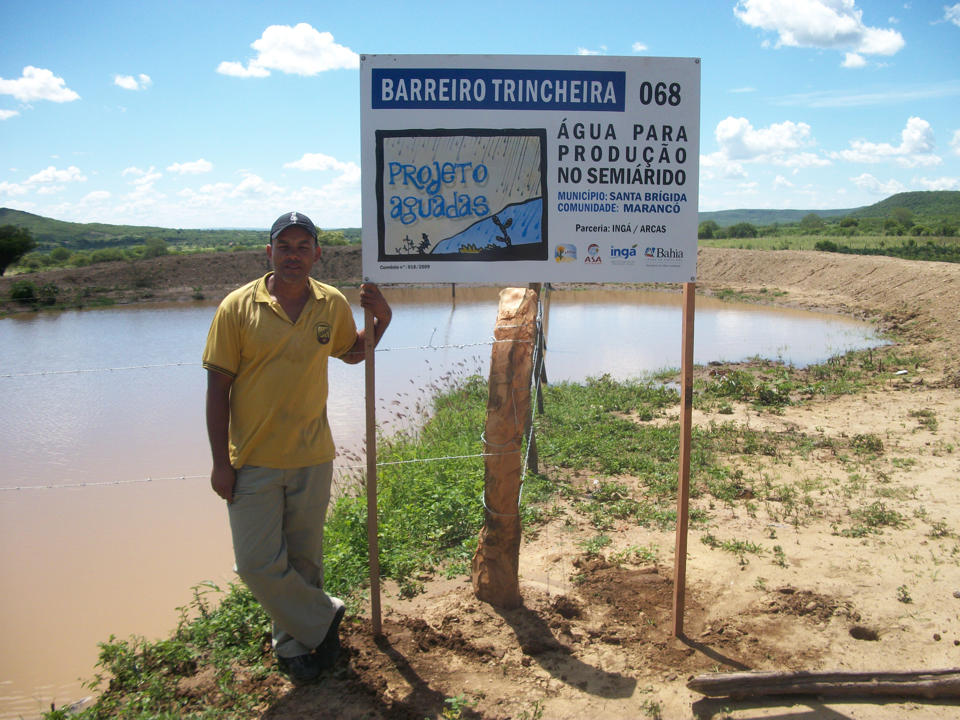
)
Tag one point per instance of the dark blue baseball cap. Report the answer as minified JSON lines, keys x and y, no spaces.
{"x":292,"y":219}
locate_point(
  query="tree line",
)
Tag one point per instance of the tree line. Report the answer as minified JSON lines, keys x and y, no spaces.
{"x":899,"y":221}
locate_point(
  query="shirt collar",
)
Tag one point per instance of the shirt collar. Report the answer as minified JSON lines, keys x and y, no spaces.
{"x":262,"y":294}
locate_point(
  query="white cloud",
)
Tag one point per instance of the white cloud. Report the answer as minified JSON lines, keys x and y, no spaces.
{"x":951,"y":13}
{"x":955,"y":142}
{"x":37,"y":84}
{"x":587,"y":51}
{"x":915,"y":148}
{"x":942,"y":183}
{"x":781,"y":183}
{"x":870,"y":184}
{"x":853,"y":61}
{"x":95,"y":197}
{"x":135,"y":171}
{"x":894,"y":96}
{"x":236,"y":69}
{"x":195,"y":167}
{"x":7,"y":114}
{"x":298,"y":50}
{"x":216,"y":194}
{"x":53,"y":175}
{"x":146,"y":178}
{"x":740,"y":140}
{"x":825,"y":24}
{"x":741,"y":90}
{"x":319,"y":161}
{"x":639,"y":47}
{"x":8,"y":188}
{"x":129,"y":82}
{"x":777,"y":144}
{"x":803,"y":160}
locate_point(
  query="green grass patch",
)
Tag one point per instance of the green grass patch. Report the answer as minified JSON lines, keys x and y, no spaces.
{"x":740,"y":548}
{"x":926,"y":419}
{"x":139,"y":678}
{"x":429,"y":512}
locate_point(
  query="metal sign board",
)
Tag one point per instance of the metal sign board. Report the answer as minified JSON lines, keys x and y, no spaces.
{"x":503,"y":168}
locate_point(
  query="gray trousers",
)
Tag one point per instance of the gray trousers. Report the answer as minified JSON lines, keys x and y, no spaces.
{"x":276,"y":519}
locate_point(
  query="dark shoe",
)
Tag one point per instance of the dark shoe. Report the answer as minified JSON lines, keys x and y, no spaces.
{"x":328,"y":651}
{"x":301,"y":669}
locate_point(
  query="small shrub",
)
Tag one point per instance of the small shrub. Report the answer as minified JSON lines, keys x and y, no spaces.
{"x":927,"y":418}
{"x":47,"y":293}
{"x":877,"y":515}
{"x":24,"y":292}
{"x":594,"y":545}
{"x":106,"y":255}
{"x":867,"y":444}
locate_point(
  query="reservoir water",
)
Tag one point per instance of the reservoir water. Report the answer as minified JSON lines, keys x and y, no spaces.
{"x":106,"y":515}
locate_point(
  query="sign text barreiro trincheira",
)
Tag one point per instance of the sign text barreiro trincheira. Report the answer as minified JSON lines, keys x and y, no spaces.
{"x":516,"y":169}
{"x":462,"y":89}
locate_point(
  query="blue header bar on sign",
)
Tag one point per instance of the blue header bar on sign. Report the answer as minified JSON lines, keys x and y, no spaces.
{"x":493,"y":89}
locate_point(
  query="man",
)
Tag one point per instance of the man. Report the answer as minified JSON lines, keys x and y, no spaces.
{"x":266,"y":360}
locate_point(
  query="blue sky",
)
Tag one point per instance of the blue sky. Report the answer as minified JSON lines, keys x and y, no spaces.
{"x":225,"y":114}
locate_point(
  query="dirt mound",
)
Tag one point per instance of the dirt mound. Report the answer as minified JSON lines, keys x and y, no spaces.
{"x":180,"y":277}
{"x":593,"y":649}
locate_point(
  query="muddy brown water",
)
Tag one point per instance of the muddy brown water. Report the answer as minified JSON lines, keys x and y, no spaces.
{"x":106,"y":517}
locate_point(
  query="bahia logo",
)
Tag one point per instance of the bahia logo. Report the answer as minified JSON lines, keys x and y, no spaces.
{"x":593,"y":255}
{"x":658,"y":253}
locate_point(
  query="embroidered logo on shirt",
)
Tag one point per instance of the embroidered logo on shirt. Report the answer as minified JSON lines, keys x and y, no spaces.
{"x":323,"y":333}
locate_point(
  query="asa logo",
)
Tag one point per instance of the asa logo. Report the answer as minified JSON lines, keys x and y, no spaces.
{"x":593,"y":255}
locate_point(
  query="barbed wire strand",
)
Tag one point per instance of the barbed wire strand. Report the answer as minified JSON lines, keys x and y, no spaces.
{"x":78,"y":371}
{"x":104,"y":483}
{"x":108,"y":483}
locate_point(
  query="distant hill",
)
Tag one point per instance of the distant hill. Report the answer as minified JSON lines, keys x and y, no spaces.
{"x":940,"y":204}
{"x":725,"y":218}
{"x":50,"y":233}
{"x":932,"y":204}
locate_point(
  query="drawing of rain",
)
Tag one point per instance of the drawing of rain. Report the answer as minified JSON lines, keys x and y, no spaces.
{"x":461,"y":195}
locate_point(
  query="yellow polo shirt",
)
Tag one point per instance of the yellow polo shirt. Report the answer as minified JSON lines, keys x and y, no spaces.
{"x":278,"y":399}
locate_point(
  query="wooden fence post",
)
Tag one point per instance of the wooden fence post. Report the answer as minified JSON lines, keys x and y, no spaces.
{"x":496,"y":563}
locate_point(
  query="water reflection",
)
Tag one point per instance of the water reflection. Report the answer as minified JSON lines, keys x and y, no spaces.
{"x":81,"y":563}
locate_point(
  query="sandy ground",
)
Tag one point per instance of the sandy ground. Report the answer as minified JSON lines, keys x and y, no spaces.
{"x":594,"y":637}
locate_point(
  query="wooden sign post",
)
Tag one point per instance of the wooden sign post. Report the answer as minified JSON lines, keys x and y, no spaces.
{"x":373,"y":544}
{"x":683,"y":481}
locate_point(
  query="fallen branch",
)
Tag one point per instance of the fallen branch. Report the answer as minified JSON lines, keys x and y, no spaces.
{"x":930,"y":684}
